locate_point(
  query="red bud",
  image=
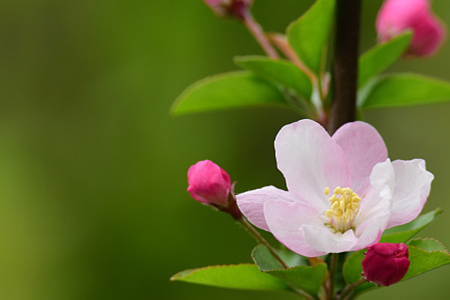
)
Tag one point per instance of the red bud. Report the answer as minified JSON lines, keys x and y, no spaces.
{"x":385,"y":263}
{"x":230,"y":8}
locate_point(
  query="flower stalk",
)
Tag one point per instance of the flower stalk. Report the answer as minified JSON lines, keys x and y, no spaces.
{"x":261,"y":240}
{"x":333,"y":267}
{"x":347,"y":292}
{"x":260,"y":36}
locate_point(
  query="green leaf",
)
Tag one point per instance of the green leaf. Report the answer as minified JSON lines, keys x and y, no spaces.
{"x":264,"y":259}
{"x":242,"y":276}
{"x":353,"y":269}
{"x":292,"y":259}
{"x":279,"y":71}
{"x":308,"y":279}
{"x":229,"y":90}
{"x":309,"y":34}
{"x":406,"y":90}
{"x":402,"y":233}
{"x":421,"y":262}
{"x":377,"y":59}
{"x":427,"y":244}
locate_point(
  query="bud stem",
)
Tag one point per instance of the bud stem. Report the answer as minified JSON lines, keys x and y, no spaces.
{"x":260,"y":239}
{"x":256,"y":30}
{"x":347,"y":292}
{"x":348,"y":15}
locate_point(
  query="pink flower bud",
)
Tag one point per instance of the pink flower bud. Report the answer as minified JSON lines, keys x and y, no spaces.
{"x":230,"y":8}
{"x":397,"y":16}
{"x":209,"y":184}
{"x":385,"y":263}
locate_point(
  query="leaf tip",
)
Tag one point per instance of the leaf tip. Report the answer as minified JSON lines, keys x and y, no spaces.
{"x":438,"y":211}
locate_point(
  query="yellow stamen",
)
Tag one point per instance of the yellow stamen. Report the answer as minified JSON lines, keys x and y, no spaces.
{"x":344,"y":206}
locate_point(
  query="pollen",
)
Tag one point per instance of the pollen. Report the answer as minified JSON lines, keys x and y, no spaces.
{"x":344,"y":204}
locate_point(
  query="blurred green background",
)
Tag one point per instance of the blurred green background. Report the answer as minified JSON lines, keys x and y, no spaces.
{"x":93,"y":201}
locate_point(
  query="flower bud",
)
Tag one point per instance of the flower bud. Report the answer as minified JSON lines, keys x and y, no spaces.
{"x":385,"y":263}
{"x":397,"y":16}
{"x":211,"y":185}
{"x":230,"y":8}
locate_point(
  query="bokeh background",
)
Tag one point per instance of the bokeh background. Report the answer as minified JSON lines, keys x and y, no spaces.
{"x":93,"y":201}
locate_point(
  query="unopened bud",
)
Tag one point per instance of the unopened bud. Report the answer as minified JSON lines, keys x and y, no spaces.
{"x":211,"y":185}
{"x":398,"y":16}
{"x":230,"y":8}
{"x":385,"y":263}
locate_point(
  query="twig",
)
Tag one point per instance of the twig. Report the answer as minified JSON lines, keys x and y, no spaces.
{"x":256,"y":30}
{"x":345,"y":71}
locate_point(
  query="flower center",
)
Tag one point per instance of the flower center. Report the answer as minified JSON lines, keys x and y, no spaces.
{"x":344,"y":207}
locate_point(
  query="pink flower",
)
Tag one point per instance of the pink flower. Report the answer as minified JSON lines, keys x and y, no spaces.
{"x":229,"y":8}
{"x":385,"y":263}
{"x":397,"y":16}
{"x":343,"y":191}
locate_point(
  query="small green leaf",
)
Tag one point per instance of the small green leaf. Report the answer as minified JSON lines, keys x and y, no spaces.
{"x":229,"y":90}
{"x":377,"y":59}
{"x":278,"y":71}
{"x":308,"y":279}
{"x":293,"y":259}
{"x":421,"y":262}
{"x":308,"y":35}
{"x":353,"y":269}
{"x":242,"y":276}
{"x":406,"y":90}
{"x":402,"y":233}
{"x":427,"y":244}
{"x":264,"y":259}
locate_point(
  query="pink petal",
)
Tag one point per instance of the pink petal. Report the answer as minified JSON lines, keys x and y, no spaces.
{"x":412,"y":187}
{"x":252,"y":203}
{"x":322,"y":239}
{"x":311,"y":161}
{"x":285,"y":220}
{"x":363,"y":147}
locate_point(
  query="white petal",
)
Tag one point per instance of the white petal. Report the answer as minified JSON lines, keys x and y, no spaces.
{"x":322,"y":239}
{"x":311,"y":161}
{"x":382,"y":179}
{"x":364,"y":148}
{"x":372,"y":205}
{"x":370,"y":231}
{"x":412,"y":187}
{"x":285,"y":220}
{"x":251,"y":203}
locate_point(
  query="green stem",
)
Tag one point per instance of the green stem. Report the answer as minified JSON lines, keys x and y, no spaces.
{"x":260,"y":239}
{"x":347,"y":292}
{"x":333,"y":267}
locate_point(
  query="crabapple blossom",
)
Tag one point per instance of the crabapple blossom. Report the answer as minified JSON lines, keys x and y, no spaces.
{"x":343,"y":190}
{"x":397,"y":16}
{"x":386,"y":263}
